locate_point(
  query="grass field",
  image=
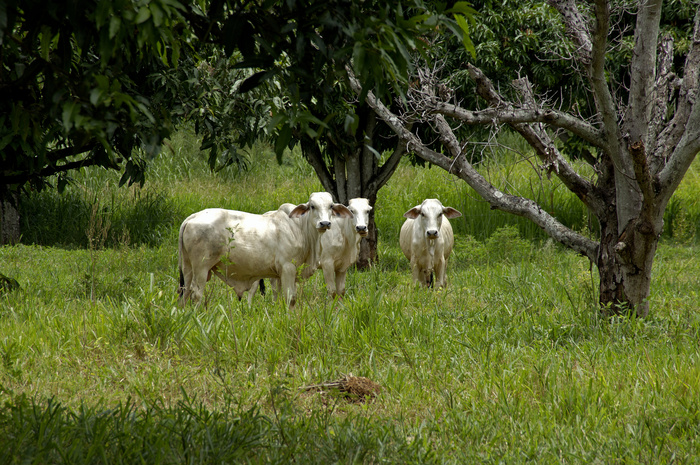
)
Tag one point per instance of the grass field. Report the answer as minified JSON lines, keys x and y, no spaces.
{"x":510,"y":364}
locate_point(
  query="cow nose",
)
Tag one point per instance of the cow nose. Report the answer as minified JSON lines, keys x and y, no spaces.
{"x":431,"y":233}
{"x":362,"y":230}
{"x":324,"y":225}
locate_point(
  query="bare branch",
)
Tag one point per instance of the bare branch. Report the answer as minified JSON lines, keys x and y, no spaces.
{"x":576,"y":27}
{"x":554,"y":118}
{"x":642,"y":77}
{"x":662,"y":92}
{"x":459,"y":166}
{"x":641,"y":171}
{"x":603,"y":98}
{"x":539,"y":140}
{"x":683,"y":132}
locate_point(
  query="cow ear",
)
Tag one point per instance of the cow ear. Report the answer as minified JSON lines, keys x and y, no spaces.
{"x":450,"y":213}
{"x":299,"y":210}
{"x":412,"y":213}
{"x":341,"y":211}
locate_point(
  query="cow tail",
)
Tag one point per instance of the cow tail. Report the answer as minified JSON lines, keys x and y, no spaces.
{"x":432,"y":279}
{"x":181,"y":287}
{"x":262,"y":287}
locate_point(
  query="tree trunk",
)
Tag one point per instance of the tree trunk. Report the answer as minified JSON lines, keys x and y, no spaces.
{"x":355,"y":171}
{"x":9,"y":222}
{"x":368,"y":245}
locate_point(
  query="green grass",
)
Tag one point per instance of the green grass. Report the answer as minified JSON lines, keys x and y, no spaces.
{"x":510,"y":364}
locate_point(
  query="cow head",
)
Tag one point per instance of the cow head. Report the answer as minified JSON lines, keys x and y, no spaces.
{"x":428,"y":216}
{"x":360,"y":209}
{"x":321,"y":208}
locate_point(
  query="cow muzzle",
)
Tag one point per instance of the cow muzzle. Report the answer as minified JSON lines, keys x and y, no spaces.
{"x":324,"y":225}
{"x":431,"y":233}
{"x":361,"y":230}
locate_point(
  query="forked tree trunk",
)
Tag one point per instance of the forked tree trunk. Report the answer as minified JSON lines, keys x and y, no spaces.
{"x":355,"y":172}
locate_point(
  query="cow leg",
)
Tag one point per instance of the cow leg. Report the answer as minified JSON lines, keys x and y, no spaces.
{"x":340,"y":282}
{"x":440,"y":266}
{"x":251,"y":292}
{"x":288,"y":277}
{"x":329,"y":276}
{"x":196,"y":287}
{"x":417,"y":271}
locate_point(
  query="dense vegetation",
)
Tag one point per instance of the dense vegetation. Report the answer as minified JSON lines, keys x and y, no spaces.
{"x":511,"y":363}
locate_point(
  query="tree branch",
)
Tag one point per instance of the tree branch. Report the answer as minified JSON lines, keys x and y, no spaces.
{"x":49,"y":171}
{"x":603,"y":98}
{"x":465,"y":171}
{"x":539,"y":140}
{"x":662,"y":90}
{"x":548,"y":116}
{"x":642,"y":77}
{"x":576,"y":28}
{"x":313,"y":155}
{"x":683,"y":132}
{"x":387,"y":169}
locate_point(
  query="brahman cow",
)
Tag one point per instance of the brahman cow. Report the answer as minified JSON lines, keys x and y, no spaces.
{"x":426,"y":240}
{"x":341,"y":245}
{"x":241,"y":248}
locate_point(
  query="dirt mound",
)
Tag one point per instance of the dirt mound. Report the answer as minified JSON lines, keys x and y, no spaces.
{"x":354,"y":389}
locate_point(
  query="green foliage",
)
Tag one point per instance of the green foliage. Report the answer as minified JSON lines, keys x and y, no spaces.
{"x":100,"y":84}
{"x":75,"y":80}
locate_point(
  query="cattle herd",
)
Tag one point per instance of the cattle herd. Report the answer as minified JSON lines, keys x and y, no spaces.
{"x":244,"y":248}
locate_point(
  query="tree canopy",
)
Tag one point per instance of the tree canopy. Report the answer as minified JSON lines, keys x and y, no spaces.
{"x":75,"y":86}
{"x":87,"y":83}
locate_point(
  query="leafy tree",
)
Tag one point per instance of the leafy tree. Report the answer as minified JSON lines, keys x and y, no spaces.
{"x":300,"y":51}
{"x":99,"y":84}
{"x":645,"y":131}
{"x":75,"y":88}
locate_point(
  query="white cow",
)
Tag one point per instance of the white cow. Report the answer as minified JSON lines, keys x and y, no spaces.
{"x":341,"y":245}
{"x":286,"y":208}
{"x":427,"y":240}
{"x":241,"y":248}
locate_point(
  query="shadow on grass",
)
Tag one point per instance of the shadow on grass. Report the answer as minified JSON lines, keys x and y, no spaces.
{"x":132,"y":217}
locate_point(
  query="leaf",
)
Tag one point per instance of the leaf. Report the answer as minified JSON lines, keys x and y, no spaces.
{"x":46,"y":37}
{"x":374,"y":151}
{"x":157,"y":14}
{"x":143,"y":15}
{"x":114,"y":25}
{"x":70,"y":110}
{"x":466,"y":40}
{"x":283,"y":139}
{"x":253,"y":81}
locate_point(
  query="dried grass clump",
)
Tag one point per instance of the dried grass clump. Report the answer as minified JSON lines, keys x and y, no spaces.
{"x":354,"y":389}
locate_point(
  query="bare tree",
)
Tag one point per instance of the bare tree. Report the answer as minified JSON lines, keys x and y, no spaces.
{"x":645,"y":135}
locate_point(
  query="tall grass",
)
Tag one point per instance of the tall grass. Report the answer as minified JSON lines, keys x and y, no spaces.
{"x":511,"y":363}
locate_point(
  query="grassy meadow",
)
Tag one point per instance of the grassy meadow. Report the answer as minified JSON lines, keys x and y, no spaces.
{"x":511,"y":363}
